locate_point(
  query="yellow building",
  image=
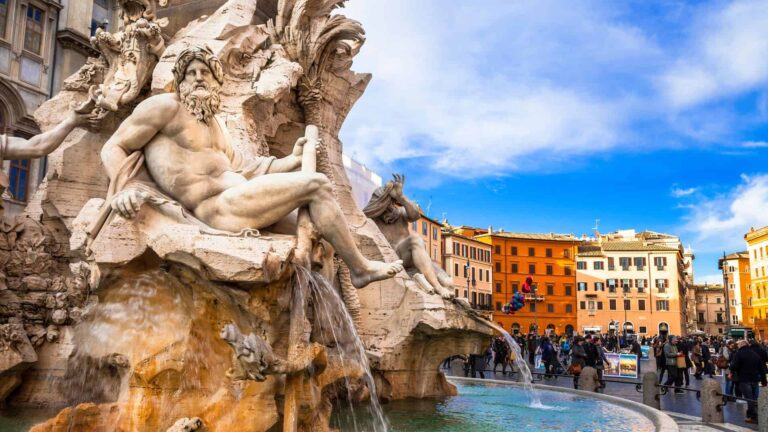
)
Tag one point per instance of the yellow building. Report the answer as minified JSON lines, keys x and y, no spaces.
{"x":757,"y":249}
{"x":737,"y":277}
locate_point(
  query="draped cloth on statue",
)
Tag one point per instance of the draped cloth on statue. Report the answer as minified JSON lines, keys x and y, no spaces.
{"x":133,"y":174}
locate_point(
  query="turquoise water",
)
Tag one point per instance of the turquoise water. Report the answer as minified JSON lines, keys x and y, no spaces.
{"x":477,"y":408}
{"x":494,"y":408}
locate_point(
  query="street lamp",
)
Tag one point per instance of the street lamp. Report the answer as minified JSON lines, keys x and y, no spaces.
{"x":535,"y":308}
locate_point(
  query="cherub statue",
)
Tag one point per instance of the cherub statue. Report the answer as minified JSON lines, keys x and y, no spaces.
{"x":393,"y":213}
{"x":188,"y":156}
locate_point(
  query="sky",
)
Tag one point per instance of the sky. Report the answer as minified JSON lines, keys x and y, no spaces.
{"x":545,"y":116}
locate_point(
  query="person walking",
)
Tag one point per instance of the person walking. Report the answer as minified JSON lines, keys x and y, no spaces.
{"x":671,"y":354}
{"x":683,"y":347}
{"x":706,"y":359}
{"x":638,"y":352}
{"x":661,"y":361}
{"x":600,"y":361}
{"x":501,"y":353}
{"x":578,"y":360}
{"x":723,"y":363}
{"x":747,"y":370}
{"x":698,"y":359}
{"x":548,"y":357}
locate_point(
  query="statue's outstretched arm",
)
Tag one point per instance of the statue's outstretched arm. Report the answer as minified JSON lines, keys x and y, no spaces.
{"x":44,"y":143}
{"x":136,"y":131}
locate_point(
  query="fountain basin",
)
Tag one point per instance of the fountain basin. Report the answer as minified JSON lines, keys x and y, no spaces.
{"x":491,"y":405}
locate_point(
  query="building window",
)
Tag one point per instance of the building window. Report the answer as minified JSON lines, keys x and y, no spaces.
{"x":611,"y":265}
{"x":488,"y":275}
{"x":466,"y":268}
{"x":598,"y":265}
{"x":481,"y":275}
{"x":498,"y":287}
{"x":550,"y":289}
{"x":626,"y":284}
{"x":455,"y":269}
{"x":640,"y":263}
{"x":550,"y":270}
{"x":498,"y":267}
{"x":514,"y":287}
{"x":3,"y":17}
{"x":568,"y":290}
{"x":550,"y":308}
{"x":640,"y":284}
{"x":611,"y":285}
{"x":662,"y":305}
{"x":599,"y":286}
{"x":533,"y":306}
{"x":434,"y":233}
{"x":643,"y":329}
{"x":414,"y":227}
{"x":599,"y":305}
{"x":514,"y":268}
{"x":582,"y":305}
{"x":660,"y":262}
{"x":662,"y":285}
{"x":581,"y":286}
{"x":548,"y":252}
{"x":627,"y":304}
{"x":33,"y":32}
{"x":498,"y":306}
{"x":569,"y":308}
{"x":612,"y":304}
{"x":531,"y":251}
{"x":19,"y":175}
{"x":566,"y":253}
{"x":513,"y":251}
{"x":532,"y":269}
{"x":641,"y":305}
{"x":581,"y":265}
{"x":567,"y":270}
{"x":624,"y":262}
{"x":424,"y":228}
{"x":497,"y":248}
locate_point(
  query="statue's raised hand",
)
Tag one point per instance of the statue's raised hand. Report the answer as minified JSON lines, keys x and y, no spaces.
{"x":397,"y":185}
{"x":298,"y":148}
{"x":128,"y":202}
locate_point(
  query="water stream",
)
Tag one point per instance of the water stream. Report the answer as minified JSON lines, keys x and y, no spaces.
{"x":525,"y":371}
{"x":333,"y":317}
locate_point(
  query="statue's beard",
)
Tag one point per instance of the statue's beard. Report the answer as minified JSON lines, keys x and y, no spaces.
{"x":201,"y":100}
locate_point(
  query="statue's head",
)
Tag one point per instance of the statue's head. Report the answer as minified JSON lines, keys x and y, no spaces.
{"x":199,"y":75}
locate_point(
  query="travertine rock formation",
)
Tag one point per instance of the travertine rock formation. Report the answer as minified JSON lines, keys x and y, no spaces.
{"x":150,"y":295}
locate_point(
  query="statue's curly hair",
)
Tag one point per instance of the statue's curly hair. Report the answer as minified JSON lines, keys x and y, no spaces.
{"x":205,"y":55}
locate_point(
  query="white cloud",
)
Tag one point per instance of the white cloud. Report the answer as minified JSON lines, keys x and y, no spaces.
{"x":754,"y":144}
{"x":679,"y":193}
{"x":728,"y":54}
{"x":719,"y":223}
{"x":474,"y":102}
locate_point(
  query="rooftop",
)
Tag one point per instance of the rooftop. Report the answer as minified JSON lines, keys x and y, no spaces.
{"x":535,"y":236}
{"x":756,"y":233}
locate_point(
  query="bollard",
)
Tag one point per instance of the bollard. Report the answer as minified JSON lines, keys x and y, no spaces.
{"x":710,"y":401}
{"x":651,"y":393}
{"x":762,"y":410}
{"x":588,"y":380}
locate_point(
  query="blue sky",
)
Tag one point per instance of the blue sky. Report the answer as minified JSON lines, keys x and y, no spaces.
{"x":544,"y":115}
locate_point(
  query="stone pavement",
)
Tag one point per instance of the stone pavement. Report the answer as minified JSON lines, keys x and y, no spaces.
{"x":684,"y":408}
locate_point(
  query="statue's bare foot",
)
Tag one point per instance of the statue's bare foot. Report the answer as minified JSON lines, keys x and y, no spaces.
{"x":375,"y":271}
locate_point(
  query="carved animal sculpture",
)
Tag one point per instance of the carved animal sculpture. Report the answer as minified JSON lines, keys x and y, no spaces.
{"x":253,"y":357}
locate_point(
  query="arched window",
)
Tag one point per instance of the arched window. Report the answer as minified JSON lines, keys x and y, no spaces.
{"x":515,"y":328}
{"x":569,"y":329}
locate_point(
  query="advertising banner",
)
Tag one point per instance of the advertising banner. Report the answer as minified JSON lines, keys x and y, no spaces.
{"x":620,"y":365}
{"x":538,"y":364}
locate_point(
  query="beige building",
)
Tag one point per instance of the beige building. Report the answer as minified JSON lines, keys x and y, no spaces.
{"x":757,"y":249}
{"x":710,"y":308}
{"x":42,"y":42}
{"x":633,"y":282}
{"x":468,"y":261}
{"x":431,"y":231}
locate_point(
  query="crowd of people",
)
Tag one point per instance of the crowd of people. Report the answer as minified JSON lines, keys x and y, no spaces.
{"x":742,"y":362}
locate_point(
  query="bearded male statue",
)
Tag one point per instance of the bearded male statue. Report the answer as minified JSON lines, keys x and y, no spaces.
{"x":187,"y":154}
{"x":393,"y":213}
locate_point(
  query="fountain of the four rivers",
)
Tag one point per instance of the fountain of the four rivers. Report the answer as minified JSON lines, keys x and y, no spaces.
{"x":194,"y":259}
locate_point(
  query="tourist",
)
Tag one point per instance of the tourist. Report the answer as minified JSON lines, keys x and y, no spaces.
{"x":723,"y":364}
{"x":661,"y":362}
{"x":697,"y":357}
{"x":638,"y":352}
{"x":600,"y":361}
{"x":683,"y":347}
{"x":671,"y":355}
{"x":548,"y":357}
{"x":578,"y":360}
{"x":747,"y":370}
{"x":501,"y":353}
{"x":706,"y":359}
{"x":531,"y":349}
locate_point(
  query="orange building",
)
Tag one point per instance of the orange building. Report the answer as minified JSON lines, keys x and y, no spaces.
{"x":550,"y":260}
{"x":738,"y":278}
{"x":430,"y":231}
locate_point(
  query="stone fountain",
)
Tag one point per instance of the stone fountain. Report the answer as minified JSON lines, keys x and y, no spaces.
{"x":141,"y":295}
